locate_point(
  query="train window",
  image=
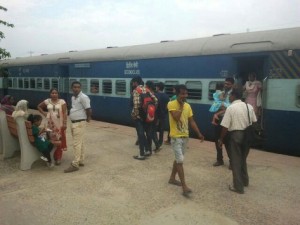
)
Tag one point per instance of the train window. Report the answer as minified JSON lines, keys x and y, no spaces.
{"x":94,"y":86}
{"x":46,"y":84}
{"x":20,"y":80}
{"x":39,"y":83}
{"x":26,"y":83}
{"x":212,"y":88}
{"x":84,"y":85}
{"x":107,"y":86}
{"x":9,"y":82}
{"x":15,"y":83}
{"x":54,"y":83}
{"x":298,"y":95}
{"x":32,"y":83}
{"x":169,"y":87}
{"x":194,"y":90}
{"x":120,"y":87}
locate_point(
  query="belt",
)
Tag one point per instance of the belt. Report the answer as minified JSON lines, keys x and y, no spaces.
{"x":77,"y":121}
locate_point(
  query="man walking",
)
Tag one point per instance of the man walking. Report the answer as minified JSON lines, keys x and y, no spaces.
{"x":180,"y":116}
{"x":235,"y":121}
{"x":80,"y":114}
{"x":138,"y":116}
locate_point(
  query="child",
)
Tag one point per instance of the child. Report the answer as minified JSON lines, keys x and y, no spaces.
{"x":219,"y":101}
{"x":40,"y":139}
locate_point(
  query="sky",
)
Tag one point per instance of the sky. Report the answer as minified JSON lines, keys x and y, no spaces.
{"x":55,"y":26}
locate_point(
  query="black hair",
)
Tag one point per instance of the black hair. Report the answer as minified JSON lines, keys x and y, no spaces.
{"x":75,"y":82}
{"x":180,"y":87}
{"x":160,"y":86}
{"x":34,"y":118}
{"x":237,"y":92}
{"x":219,"y":86}
{"x":53,"y":89}
{"x":150,"y":84}
{"x":230,"y":79}
{"x":137,"y":79}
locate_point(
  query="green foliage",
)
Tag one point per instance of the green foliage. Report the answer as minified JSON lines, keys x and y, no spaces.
{"x":3,"y":53}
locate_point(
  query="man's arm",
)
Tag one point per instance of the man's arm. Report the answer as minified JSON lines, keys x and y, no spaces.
{"x":195,"y":128}
{"x":88,"y":114}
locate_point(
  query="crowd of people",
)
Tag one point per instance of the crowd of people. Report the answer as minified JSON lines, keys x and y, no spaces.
{"x":151,"y":108}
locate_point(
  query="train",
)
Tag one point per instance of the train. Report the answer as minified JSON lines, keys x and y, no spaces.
{"x":199,"y":63}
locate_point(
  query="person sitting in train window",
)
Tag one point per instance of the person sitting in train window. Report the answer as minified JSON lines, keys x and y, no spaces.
{"x":21,"y":109}
{"x":7,"y":104}
{"x":253,"y":89}
{"x":220,"y":102}
{"x":94,"y":88}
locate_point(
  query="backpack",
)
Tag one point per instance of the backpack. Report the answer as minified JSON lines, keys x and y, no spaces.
{"x":148,"y":107}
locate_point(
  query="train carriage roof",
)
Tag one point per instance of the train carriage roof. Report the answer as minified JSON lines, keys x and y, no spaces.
{"x":272,"y":40}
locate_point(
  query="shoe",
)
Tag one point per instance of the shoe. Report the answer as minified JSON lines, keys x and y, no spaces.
{"x":157,"y":149}
{"x":50,"y":165}
{"x":44,"y":158}
{"x":71,"y":169}
{"x":148,"y":153}
{"x":81,"y":164}
{"x":235,"y":190}
{"x":218,"y":163}
{"x":57,"y":162}
{"x":167,"y":142}
{"x":139,"y":157}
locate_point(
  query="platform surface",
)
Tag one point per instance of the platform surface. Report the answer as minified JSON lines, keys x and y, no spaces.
{"x":113,"y":188}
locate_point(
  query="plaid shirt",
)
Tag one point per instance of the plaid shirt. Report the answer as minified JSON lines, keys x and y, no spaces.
{"x":135,"y":114}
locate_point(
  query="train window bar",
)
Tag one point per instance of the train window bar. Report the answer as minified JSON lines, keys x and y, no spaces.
{"x":169,"y":85}
{"x":107,"y":86}
{"x":194,"y":90}
{"x":212,"y":86}
{"x":120,"y":87}
{"x":94,"y":86}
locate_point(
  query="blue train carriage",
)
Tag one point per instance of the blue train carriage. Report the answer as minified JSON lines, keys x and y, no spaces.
{"x":199,"y":63}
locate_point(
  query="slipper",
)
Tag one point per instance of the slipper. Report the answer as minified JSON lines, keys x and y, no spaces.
{"x":175,"y":182}
{"x":187,"y":193}
{"x":235,"y":190}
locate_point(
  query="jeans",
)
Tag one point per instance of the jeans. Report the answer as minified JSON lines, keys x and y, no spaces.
{"x":144,"y":140}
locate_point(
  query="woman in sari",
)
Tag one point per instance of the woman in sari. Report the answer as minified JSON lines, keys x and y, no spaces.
{"x":55,"y":110}
{"x":6,"y":104}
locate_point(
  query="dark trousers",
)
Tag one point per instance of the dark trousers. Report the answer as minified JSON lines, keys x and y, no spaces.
{"x":239,"y":151}
{"x":153,"y":130}
{"x":144,"y":140}
{"x":218,"y":130}
{"x":161,"y":129}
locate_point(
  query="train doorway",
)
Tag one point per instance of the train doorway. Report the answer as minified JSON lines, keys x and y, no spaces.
{"x":254,"y":65}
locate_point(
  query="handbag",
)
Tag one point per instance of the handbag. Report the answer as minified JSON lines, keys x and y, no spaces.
{"x":250,"y":131}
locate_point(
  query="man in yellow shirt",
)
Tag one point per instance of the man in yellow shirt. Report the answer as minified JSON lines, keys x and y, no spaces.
{"x":180,"y":116}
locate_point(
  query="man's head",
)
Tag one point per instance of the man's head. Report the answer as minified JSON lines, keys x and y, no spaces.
{"x":160,"y":86}
{"x":76,"y":87}
{"x":229,"y":81}
{"x":136,"y":81}
{"x":236,"y":93}
{"x":252,"y":76}
{"x":181,"y":92}
{"x":150,"y":85}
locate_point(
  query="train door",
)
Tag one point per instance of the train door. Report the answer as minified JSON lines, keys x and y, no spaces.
{"x":256,"y":65}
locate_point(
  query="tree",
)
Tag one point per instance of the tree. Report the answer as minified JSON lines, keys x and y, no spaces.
{"x":3,"y":52}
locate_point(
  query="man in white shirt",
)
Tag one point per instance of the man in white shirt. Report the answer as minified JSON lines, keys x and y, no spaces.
{"x":80,"y":113}
{"x":235,"y":121}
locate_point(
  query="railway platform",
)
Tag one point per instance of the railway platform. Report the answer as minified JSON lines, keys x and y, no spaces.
{"x":113,"y":188}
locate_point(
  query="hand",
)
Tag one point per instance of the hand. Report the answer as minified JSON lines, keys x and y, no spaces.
{"x":216,"y":117}
{"x":201,"y":137}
